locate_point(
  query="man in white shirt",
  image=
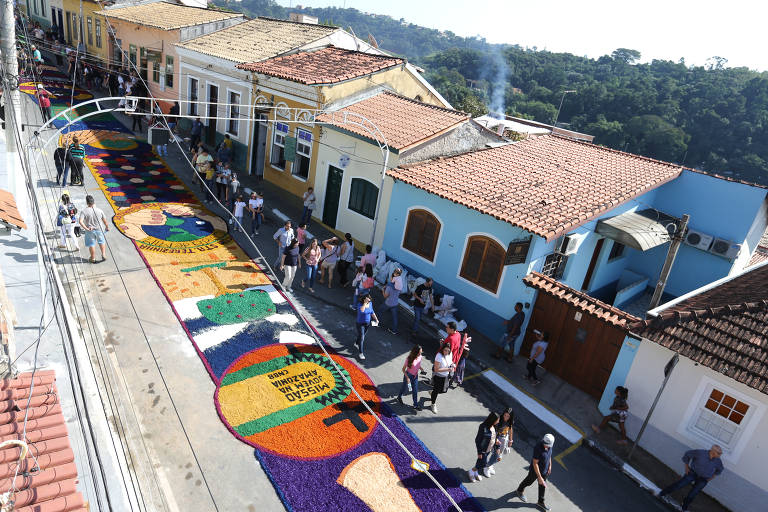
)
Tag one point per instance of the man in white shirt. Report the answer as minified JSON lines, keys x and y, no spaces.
{"x":255,"y":207}
{"x":346,"y":257}
{"x":283,"y":237}
{"x":91,"y":219}
{"x":309,"y":205}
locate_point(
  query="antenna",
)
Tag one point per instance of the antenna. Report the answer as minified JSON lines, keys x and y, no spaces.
{"x":357,"y":41}
{"x":373,"y":41}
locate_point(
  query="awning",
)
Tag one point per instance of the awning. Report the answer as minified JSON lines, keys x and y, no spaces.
{"x":641,"y":230}
{"x":10,"y":218}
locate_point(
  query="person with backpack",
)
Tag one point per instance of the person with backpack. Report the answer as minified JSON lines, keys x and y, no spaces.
{"x":411,"y":370}
{"x":66,"y":221}
{"x":485,"y":442}
{"x":76,"y":155}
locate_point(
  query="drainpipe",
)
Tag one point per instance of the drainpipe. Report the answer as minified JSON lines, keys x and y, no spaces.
{"x":671,"y":255}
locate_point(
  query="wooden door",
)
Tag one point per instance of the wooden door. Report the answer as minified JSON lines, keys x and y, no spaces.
{"x":213,"y":109}
{"x":332,"y":196}
{"x":259,"y":145}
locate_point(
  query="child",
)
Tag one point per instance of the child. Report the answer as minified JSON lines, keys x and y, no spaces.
{"x":356,"y":286}
{"x":619,"y":409}
{"x":237,"y":211}
{"x":397,"y":280}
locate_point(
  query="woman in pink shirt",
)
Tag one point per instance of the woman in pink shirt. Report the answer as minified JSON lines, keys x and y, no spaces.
{"x":301,"y":236}
{"x":411,"y":373}
{"x":368,"y":257}
{"x":311,"y":255}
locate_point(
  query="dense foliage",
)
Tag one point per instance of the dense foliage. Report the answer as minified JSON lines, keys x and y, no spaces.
{"x":710,"y":117}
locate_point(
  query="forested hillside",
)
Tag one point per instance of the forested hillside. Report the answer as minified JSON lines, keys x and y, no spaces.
{"x":710,"y":117}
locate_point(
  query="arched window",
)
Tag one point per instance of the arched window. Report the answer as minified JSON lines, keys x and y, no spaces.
{"x":421,"y":234}
{"x":483,"y":262}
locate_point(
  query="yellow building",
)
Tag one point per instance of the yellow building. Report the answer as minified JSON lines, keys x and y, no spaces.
{"x":289,"y":89}
{"x":90,"y":28}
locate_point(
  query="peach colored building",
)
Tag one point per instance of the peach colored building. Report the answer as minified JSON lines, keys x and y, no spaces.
{"x":147,"y":35}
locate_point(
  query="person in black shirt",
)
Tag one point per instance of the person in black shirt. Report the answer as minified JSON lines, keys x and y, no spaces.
{"x":514,"y":325}
{"x":422,"y":297}
{"x":59,"y":160}
{"x":541,"y":467}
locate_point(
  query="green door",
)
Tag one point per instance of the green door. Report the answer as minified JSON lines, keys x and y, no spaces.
{"x":332,"y":196}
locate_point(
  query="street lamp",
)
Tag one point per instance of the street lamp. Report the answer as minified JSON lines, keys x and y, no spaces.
{"x":554,"y":125}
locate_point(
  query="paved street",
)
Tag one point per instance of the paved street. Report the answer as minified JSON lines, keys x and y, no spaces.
{"x":184,"y":457}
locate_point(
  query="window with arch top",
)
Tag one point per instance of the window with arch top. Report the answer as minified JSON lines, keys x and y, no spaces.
{"x":483,"y":262}
{"x":421,"y":233}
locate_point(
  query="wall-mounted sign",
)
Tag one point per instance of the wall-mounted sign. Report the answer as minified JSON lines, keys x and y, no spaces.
{"x":517,"y":251}
{"x":343,"y":161}
{"x":290,"y":149}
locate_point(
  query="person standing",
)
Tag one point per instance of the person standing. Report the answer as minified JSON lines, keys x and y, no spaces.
{"x":485,"y":442}
{"x":541,"y":468}
{"x":210,"y":173}
{"x":59,"y":160}
{"x":289,"y":263}
{"x":365,"y":314}
{"x":76,"y":156}
{"x":66,"y":221}
{"x":224,"y":152}
{"x":255,"y":204}
{"x":91,"y":219}
{"x":234,"y":187}
{"x":441,"y":369}
{"x":237,"y":211}
{"x":453,"y":340}
{"x":513,"y":325}
{"x":301,"y":236}
{"x":223,"y":175}
{"x":202,"y":162}
{"x":422,"y":300}
{"x":619,"y":409}
{"x":311,"y":257}
{"x":346,"y":257}
{"x":328,"y":262}
{"x":411,"y":370}
{"x":504,"y":438}
{"x":458,"y":375}
{"x":538,"y":354}
{"x":368,"y":257}
{"x":701,"y":466}
{"x":391,"y":304}
{"x":196,"y":132}
{"x":173,"y":116}
{"x":309,"y":205}
{"x":282,"y":237}
{"x":44,"y":100}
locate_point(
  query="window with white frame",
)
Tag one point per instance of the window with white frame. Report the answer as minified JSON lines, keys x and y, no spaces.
{"x":168,"y":71}
{"x":233,"y":125}
{"x":277,"y":157}
{"x":720,"y":417}
{"x":193,"y":96}
{"x":98,"y":33}
{"x":303,"y":153}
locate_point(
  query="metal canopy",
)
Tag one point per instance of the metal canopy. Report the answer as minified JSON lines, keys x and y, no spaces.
{"x":641,"y":230}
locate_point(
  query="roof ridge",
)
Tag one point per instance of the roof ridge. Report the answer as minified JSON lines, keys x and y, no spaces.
{"x":438,"y":158}
{"x":269,"y":18}
{"x":422,"y":103}
{"x":727,"y":178}
{"x":617,"y":151}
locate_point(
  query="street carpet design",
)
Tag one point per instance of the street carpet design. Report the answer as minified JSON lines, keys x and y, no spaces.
{"x":276,"y":390}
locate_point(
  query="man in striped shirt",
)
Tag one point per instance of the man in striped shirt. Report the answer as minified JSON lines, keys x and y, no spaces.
{"x":75,"y":159}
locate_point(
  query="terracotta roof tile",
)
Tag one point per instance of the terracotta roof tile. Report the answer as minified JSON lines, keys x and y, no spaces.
{"x":760,"y":255}
{"x":167,"y":16}
{"x":256,"y":40}
{"x":724,"y":328}
{"x":581,"y":300}
{"x":402,"y":121}
{"x":325,"y":66}
{"x":547,"y":185}
{"x":9,"y":212}
{"x":52,"y":487}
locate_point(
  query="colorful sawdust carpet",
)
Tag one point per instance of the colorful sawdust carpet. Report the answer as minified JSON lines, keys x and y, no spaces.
{"x":276,"y":390}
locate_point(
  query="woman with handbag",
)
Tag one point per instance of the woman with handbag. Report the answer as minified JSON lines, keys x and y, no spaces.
{"x":485,"y":442}
{"x":440,"y":373}
{"x":66,"y":221}
{"x":311,"y":257}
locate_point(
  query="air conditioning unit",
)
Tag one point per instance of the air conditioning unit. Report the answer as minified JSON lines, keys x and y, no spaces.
{"x":569,"y":244}
{"x":725,"y":248}
{"x":698,"y":239}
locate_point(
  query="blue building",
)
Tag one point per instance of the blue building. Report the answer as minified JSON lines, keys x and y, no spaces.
{"x":598,"y":221}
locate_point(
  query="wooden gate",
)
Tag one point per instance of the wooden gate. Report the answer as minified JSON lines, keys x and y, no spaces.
{"x":582,"y":347}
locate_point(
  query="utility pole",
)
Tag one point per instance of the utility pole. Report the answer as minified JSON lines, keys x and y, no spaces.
{"x":671,"y":255}
{"x":562,"y":98}
{"x":10,"y":82}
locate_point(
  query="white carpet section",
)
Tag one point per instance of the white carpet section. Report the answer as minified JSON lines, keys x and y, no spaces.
{"x":297,"y":338}
{"x":187,"y":308}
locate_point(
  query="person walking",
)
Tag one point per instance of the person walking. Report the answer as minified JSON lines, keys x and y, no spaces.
{"x":289,"y":263}
{"x":202,"y":162}
{"x":538,"y":354}
{"x":485,"y":442}
{"x":362,"y":283}
{"x":328,"y":262}
{"x":237,"y":211}
{"x":301,"y":236}
{"x":441,"y":369}
{"x":76,"y":153}
{"x":223,"y":175}
{"x":411,"y":370}
{"x":282,"y":237}
{"x":619,"y":409}
{"x":391,"y":304}
{"x":66,"y":221}
{"x":504,"y":438}
{"x":311,"y":257}
{"x":513,"y":325}
{"x":90,"y":219}
{"x":234,"y":187}
{"x":309,"y":205}
{"x":422,"y":300}
{"x":44,"y":100}
{"x":701,"y":466}
{"x":210,"y":172}
{"x":541,"y":468}
{"x":255,"y":205}
{"x":346,"y":257}
{"x":60,"y":161}
{"x":365,"y":316}
{"x":458,"y":375}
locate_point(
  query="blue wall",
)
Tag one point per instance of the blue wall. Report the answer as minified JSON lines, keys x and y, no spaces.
{"x":619,"y":373}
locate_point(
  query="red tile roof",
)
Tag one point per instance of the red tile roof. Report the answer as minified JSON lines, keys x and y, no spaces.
{"x":547,"y":185}
{"x":402,"y":121}
{"x":724,"y":328}
{"x":581,"y":300}
{"x":52,"y":487}
{"x":9,"y":212}
{"x":760,"y":255}
{"x":325,"y":66}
